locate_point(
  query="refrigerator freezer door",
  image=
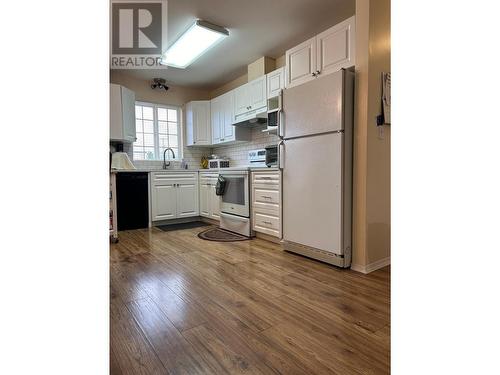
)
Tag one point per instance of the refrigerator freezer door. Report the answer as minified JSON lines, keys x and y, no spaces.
{"x":312,"y":192}
{"x":314,"y":107}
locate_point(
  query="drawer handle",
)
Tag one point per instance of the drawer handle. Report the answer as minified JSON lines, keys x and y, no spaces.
{"x":265,"y":196}
{"x":265,"y":178}
{"x":267,"y":222}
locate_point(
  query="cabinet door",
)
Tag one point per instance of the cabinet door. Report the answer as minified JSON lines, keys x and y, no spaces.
{"x":216,"y":116}
{"x":115,"y":113}
{"x":187,"y":199}
{"x":163,"y":202}
{"x":301,"y":63}
{"x":241,"y":100}
{"x":258,"y":93}
{"x":214,"y":202}
{"x":227,"y":127}
{"x":335,"y":47}
{"x":128,"y":114}
{"x":189,"y":124}
{"x":205,"y":201}
{"x":201,"y":121}
{"x":275,"y":82}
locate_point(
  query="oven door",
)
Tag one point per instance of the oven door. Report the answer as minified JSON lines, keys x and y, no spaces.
{"x":235,"y":200}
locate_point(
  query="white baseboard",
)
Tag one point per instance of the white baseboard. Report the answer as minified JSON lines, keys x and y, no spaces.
{"x":372,"y":266}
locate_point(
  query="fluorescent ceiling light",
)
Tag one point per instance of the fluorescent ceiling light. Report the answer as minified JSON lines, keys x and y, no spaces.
{"x":199,"y":38}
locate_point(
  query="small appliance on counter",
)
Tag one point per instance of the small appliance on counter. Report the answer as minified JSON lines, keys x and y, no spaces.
{"x":218,"y":163}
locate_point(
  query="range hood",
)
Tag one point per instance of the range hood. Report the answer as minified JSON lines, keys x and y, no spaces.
{"x":252,"y":122}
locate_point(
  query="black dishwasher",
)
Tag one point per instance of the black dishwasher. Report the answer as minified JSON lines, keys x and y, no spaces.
{"x":132,"y":200}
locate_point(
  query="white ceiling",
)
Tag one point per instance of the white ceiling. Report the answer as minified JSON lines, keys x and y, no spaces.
{"x":256,"y":28}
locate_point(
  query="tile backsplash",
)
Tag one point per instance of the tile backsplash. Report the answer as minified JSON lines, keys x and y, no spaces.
{"x":237,"y":153}
{"x":192,"y":156}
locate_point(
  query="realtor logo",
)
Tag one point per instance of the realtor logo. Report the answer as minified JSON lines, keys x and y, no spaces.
{"x":138,"y":33}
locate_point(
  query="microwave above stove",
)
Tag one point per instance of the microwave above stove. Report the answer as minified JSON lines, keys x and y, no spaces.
{"x":273,"y":118}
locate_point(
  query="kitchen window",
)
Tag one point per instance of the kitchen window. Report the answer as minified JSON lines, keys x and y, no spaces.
{"x":157,"y":127}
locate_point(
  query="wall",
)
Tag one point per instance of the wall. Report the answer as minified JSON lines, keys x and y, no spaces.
{"x":371,"y":216}
{"x":238,"y":153}
{"x":241,"y":80}
{"x":174,"y":96}
{"x":260,"y":67}
{"x":280,"y":61}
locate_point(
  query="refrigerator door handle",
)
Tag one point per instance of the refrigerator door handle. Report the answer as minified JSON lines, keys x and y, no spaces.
{"x":281,"y":155}
{"x":281,"y":133}
{"x":280,"y":123}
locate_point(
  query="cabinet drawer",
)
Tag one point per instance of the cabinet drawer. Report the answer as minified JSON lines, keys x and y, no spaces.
{"x":160,"y":178}
{"x":265,"y":197}
{"x":268,"y":178}
{"x":206,"y":175}
{"x":266,"y":223}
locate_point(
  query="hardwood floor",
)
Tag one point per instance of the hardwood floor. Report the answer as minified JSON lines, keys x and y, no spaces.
{"x":182,"y":305}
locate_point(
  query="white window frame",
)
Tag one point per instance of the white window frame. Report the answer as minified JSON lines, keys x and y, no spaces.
{"x":180,"y":137}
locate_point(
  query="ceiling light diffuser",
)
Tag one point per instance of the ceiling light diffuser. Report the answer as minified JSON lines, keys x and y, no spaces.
{"x":198,"y":39}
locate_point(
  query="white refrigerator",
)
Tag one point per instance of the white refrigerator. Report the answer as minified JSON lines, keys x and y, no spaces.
{"x":315,"y":155}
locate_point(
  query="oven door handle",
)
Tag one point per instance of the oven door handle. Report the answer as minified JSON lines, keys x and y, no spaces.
{"x":234,"y":217}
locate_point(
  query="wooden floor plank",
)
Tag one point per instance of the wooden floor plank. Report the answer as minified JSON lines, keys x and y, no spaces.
{"x":133,"y":354}
{"x":223,"y":358}
{"x":196,"y":306}
{"x":175,"y":353}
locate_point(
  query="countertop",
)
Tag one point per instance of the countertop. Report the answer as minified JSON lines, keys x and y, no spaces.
{"x":194,"y":170}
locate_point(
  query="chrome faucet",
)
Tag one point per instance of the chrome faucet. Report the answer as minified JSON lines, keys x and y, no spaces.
{"x":165,"y":165}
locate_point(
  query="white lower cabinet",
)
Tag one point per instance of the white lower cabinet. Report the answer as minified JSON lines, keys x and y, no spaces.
{"x":266,"y":202}
{"x":209,"y":201}
{"x":187,"y":202}
{"x":164,"y":202}
{"x":174,"y":195}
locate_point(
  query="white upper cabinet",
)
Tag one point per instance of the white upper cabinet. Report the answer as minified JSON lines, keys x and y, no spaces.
{"x":122,"y":114}
{"x":241,"y":100}
{"x":326,"y":53}
{"x":222,"y":120}
{"x":275,"y":82}
{"x":301,"y":63}
{"x":258,"y":93}
{"x":198,"y":118}
{"x":335,"y":47}
{"x":228,"y":131}
{"x":216,"y":116}
{"x":250,"y":99}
